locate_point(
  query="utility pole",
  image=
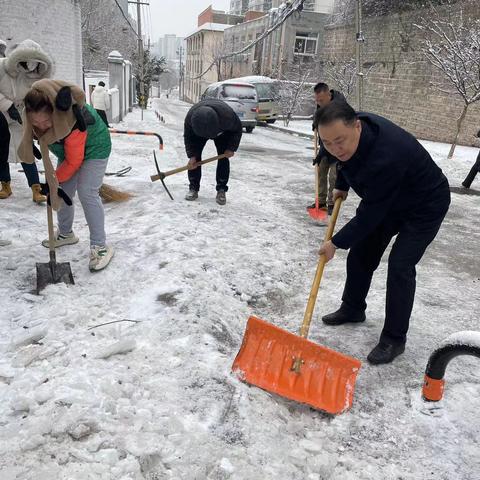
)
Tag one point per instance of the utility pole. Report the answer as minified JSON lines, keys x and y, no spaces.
{"x":141,"y":100}
{"x":180,"y":79}
{"x":359,"y":45}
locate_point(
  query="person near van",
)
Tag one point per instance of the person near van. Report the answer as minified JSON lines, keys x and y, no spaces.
{"x":56,"y":113}
{"x":211,"y":119}
{"x":25,"y":63}
{"x":473,"y":171}
{"x":101,"y":101}
{"x":403,"y":193}
{"x":327,"y":164}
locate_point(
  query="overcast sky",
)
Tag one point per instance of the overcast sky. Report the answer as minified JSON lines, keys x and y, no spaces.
{"x":179,"y":16}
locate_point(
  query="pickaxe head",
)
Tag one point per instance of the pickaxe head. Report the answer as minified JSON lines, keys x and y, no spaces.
{"x":161,"y":175}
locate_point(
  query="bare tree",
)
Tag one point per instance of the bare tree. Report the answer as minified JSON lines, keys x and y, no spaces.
{"x":217,"y":51}
{"x":104,"y":28}
{"x":453,"y":48}
{"x":296,"y":89}
{"x":342,"y":74}
{"x":344,"y":10}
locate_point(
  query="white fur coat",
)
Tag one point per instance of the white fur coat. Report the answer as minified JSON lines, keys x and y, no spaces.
{"x":24,"y":64}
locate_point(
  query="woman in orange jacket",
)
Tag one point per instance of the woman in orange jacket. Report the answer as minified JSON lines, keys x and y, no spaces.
{"x":82,"y":144}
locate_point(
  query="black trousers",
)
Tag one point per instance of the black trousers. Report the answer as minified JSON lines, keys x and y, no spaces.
{"x":103,"y":116}
{"x":473,"y":173}
{"x":414,"y":233}
{"x":30,"y":170}
{"x":223,"y":169}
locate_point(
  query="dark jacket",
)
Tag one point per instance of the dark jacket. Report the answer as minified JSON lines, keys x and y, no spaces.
{"x":393,"y":175}
{"x":230,"y":124}
{"x":336,"y":96}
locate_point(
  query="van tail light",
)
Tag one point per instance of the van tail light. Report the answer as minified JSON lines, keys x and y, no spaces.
{"x":256,"y":109}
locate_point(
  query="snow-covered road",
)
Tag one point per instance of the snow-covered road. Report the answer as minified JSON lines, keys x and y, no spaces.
{"x":191,"y":274}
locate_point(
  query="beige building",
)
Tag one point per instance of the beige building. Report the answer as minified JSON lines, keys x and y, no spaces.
{"x":202,"y":46}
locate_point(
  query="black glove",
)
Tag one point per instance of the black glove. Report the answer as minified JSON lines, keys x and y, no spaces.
{"x":45,"y":190}
{"x":15,"y":114}
{"x":36,"y":152}
{"x":317,"y":160}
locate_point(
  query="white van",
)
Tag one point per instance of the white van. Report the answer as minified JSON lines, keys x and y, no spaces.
{"x":267,"y":94}
{"x":241,"y":96}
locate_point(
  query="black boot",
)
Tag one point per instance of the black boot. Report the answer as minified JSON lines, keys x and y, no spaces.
{"x":385,"y":352}
{"x":320,"y":205}
{"x":344,"y":314}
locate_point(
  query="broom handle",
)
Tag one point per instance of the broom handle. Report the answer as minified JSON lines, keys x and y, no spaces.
{"x":318,"y":274}
{"x":186,"y":167}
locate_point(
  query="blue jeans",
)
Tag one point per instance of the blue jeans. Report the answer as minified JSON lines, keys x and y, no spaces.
{"x":87,"y":182}
{"x":30,"y":170}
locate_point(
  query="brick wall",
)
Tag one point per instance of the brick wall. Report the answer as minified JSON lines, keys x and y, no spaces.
{"x":55,"y":25}
{"x":399,"y":84}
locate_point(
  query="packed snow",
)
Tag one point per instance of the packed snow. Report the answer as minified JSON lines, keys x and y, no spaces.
{"x":126,"y":374}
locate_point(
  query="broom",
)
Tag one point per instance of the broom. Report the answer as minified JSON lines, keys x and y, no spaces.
{"x":111,"y":194}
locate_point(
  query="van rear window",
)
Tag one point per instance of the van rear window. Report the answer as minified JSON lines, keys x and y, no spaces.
{"x":241,"y":92}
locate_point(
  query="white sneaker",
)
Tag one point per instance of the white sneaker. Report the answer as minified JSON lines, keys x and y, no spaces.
{"x":61,"y":239}
{"x":100,"y":257}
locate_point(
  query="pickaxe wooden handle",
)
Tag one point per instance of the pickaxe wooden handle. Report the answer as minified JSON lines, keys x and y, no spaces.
{"x":162,"y":175}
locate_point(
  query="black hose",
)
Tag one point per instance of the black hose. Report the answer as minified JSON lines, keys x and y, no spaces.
{"x":440,"y":358}
{"x":433,"y":385}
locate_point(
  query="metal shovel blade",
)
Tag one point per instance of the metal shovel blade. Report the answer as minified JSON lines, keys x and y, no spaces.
{"x":53,"y":272}
{"x":326,"y":378}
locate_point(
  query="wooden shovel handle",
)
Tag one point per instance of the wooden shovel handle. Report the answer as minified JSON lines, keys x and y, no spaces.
{"x":51,"y":234}
{"x":318,"y":274}
{"x":186,"y":167}
{"x":317,"y":169}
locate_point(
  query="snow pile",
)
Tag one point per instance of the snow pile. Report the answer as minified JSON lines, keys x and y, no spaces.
{"x":126,"y":374}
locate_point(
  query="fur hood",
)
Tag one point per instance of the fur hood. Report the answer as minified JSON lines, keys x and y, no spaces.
{"x":65,"y":99}
{"x":29,"y":59}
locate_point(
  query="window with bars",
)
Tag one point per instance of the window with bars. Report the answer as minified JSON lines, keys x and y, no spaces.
{"x":305,"y":43}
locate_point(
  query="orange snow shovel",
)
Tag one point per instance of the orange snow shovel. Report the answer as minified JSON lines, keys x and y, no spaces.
{"x":292,"y":366}
{"x":316,"y":212}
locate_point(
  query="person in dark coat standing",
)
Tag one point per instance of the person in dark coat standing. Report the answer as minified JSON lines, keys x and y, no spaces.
{"x":327,"y":164}
{"x":473,"y":171}
{"x":403,"y":193}
{"x":215,"y":120}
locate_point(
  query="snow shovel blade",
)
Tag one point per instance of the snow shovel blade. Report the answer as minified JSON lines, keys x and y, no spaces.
{"x":318,"y":213}
{"x":53,"y":272}
{"x":326,"y":380}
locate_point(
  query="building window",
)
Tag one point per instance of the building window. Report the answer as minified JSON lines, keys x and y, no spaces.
{"x":305,"y":43}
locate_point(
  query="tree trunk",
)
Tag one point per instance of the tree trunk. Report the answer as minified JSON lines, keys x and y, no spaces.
{"x":459,"y":126}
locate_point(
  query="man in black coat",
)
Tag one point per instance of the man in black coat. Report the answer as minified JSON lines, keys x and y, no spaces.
{"x":211,"y":119}
{"x":403,"y":193}
{"x":473,"y":171}
{"x":327,"y":164}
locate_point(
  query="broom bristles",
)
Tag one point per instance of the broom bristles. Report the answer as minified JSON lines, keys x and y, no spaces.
{"x":111,"y":194}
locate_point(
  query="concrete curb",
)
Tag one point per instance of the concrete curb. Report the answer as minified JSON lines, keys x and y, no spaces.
{"x":286,"y":130}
